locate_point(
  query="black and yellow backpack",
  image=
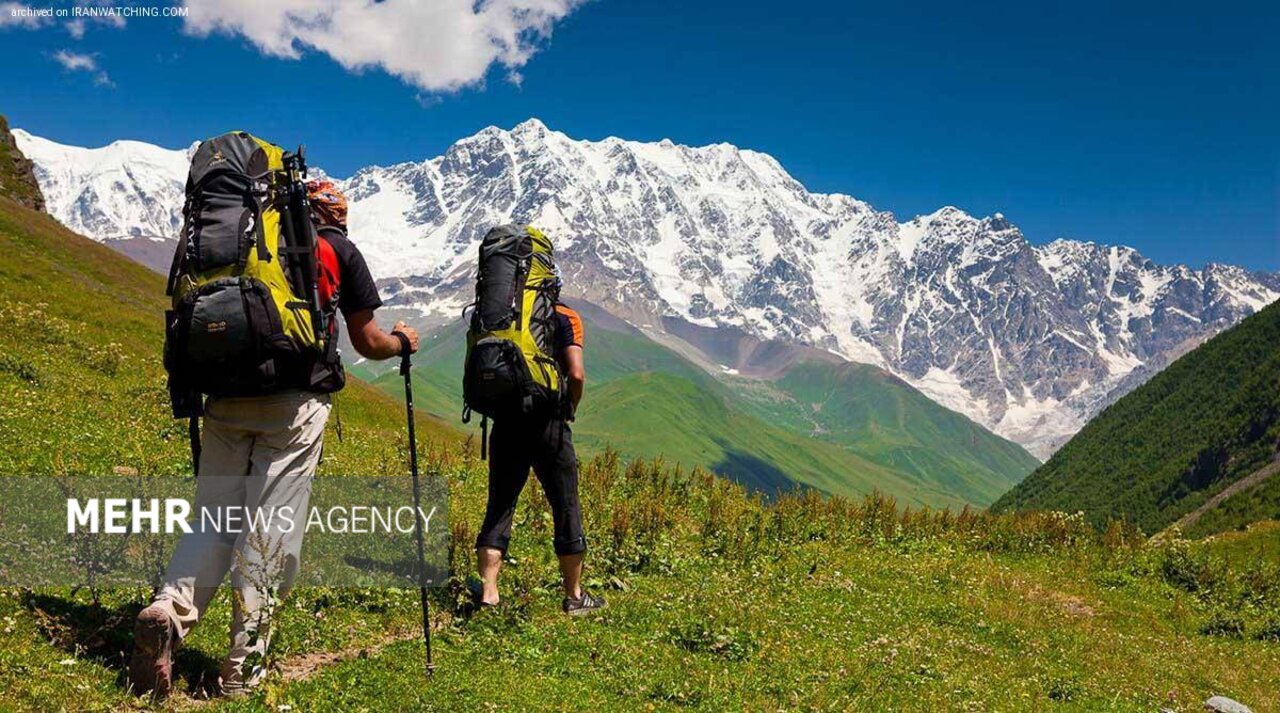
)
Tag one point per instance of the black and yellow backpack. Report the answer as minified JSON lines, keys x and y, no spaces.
{"x":510,"y":368}
{"x":246,"y":317}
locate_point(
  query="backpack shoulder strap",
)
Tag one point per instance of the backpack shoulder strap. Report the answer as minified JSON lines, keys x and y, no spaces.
{"x":175,"y":267}
{"x":180,"y":252}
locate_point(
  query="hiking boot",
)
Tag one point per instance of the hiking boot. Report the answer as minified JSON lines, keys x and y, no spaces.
{"x":151,"y":668}
{"x":233,"y":691}
{"x":585,"y":604}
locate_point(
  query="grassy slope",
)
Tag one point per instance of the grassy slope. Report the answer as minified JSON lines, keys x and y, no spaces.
{"x":1209,"y":419}
{"x":717,"y":602}
{"x":689,"y":423}
{"x":894,"y":425}
{"x":844,"y":429}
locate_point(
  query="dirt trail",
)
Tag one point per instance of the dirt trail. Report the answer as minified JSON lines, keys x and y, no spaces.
{"x":1248,"y":482}
{"x":304,"y":666}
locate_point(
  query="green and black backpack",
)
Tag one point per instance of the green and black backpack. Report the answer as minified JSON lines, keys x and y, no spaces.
{"x":246,"y":317}
{"x":510,"y":368}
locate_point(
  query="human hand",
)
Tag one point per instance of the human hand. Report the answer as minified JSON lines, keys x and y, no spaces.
{"x":409,"y":333}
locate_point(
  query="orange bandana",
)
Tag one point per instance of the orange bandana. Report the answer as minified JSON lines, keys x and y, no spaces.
{"x":328,"y":204}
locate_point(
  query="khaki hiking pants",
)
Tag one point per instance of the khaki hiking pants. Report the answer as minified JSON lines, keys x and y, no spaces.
{"x":258,"y":452}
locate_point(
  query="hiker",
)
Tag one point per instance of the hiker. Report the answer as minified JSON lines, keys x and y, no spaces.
{"x":531,"y":417}
{"x":261,"y":440}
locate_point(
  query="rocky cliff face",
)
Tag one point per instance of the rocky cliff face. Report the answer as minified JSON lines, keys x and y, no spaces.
{"x":17,"y":172}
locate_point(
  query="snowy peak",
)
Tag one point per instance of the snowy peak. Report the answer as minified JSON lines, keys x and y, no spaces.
{"x":125,"y":189}
{"x":532,"y":127}
{"x":1029,"y":340}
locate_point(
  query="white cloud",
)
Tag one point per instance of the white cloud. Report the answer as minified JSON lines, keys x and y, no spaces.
{"x":19,"y":14}
{"x":435,"y":45}
{"x":77,"y":27}
{"x":73,"y":62}
{"x":76,"y":62}
{"x":34,"y":16}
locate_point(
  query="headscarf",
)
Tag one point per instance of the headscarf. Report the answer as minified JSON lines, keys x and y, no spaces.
{"x":328,"y":204}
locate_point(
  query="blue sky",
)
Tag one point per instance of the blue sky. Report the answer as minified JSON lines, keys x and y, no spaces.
{"x":1155,"y":125}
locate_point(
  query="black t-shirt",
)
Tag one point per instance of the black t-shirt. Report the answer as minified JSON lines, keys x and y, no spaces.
{"x":356,"y":292}
{"x":356,"y":288}
{"x":569,"y":332}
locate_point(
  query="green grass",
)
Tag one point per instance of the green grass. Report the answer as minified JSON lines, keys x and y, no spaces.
{"x":1208,"y":420}
{"x":845,"y":429}
{"x":656,"y":413}
{"x":1259,"y":503}
{"x":717,"y":600}
{"x":872,"y":413}
{"x":1259,"y":542}
{"x":719,"y":603}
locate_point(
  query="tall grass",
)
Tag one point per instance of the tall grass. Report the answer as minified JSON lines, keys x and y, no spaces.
{"x":645,"y":515}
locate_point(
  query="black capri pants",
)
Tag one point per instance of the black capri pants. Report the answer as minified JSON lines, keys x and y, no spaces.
{"x":546,"y":445}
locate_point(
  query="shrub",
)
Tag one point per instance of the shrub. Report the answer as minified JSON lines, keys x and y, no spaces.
{"x":1189,"y":571}
{"x":104,"y":358}
{"x":10,"y":364}
{"x":1224,"y":624}
{"x":1270,"y":631}
{"x":727,"y":642}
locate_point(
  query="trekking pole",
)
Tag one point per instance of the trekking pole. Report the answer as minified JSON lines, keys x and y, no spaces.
{"x":300,"y":240}
{"x":405,"y":366}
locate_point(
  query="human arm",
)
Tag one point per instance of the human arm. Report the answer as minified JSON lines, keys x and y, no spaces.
{"x":569,"y":340}
{"x":575,"y":374}
{"x":359,"y":299}
{"x":372,"y":342}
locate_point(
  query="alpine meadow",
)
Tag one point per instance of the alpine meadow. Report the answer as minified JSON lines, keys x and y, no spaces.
{"x":898,"y":598}
{"x":440,"y":355}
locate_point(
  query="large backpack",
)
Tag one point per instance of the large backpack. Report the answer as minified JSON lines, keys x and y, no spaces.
{"x":510,"y":368}
{"x":246,"y":318}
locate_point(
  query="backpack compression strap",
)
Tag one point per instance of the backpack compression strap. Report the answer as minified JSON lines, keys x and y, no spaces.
{"x":193,"y":433}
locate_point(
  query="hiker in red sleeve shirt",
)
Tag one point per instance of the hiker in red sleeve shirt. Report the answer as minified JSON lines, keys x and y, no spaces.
{"x":262,"y":451}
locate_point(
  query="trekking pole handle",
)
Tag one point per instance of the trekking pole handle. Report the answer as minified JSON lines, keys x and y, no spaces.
{"x":405,"y":351}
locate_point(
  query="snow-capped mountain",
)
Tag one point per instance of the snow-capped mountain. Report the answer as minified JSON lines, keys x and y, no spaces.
{"x":1031,"y":341}
{"x":1028,"y":340}
{"x":128,"y":189}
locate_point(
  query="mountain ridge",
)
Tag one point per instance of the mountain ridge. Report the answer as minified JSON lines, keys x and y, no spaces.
{"x":1029,"y":340}
{"x":1199,"y":429}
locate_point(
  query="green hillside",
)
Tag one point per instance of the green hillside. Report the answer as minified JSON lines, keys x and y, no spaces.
{"x":692,"y":423}
{"x":717,"y":600}
{"x":867,"y":410}
{"x":81,"y":330}
{"x":842,"y":428}
{"x":1209,"y":420}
